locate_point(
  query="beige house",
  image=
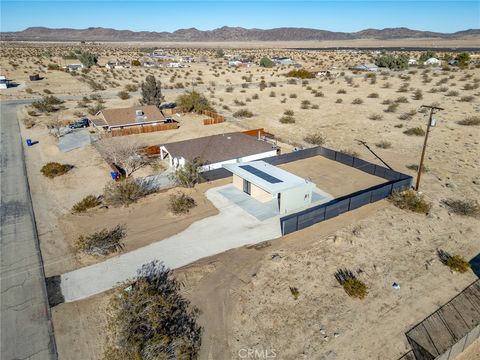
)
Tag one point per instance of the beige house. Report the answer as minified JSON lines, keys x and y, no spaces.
{"x":266,"y":183}
{"x":110,"y":119}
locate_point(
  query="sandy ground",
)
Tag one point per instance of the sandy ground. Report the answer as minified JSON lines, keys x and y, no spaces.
{"x":240,"y":310}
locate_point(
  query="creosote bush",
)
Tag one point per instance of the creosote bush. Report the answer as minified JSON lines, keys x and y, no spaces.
{"x":315,"y":139}
{"x":353,"y":287}
{"x":102,"y":242}
{"x":86,"y":203}
{"x":189,"y":174}
{"x":463,"y":207}
{"x":53,"y":169}
{"x":300,"y":74}
{"x":416,"y":131}
{"x":384,"y":144}
{"x":243,"y":113}
{"x":454,"y":262}
{"x":294,"y":291}
{"x":150,"y":319}
{"x":193,"y":101}
{"x":124,"y":192}
{"x":287,"y":119}
{"x":410,"y":200}
{"x":181,"y":203}
{"x":470,"y":121}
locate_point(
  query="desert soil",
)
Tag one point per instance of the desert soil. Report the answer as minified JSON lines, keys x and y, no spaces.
{"x":244,"y":294}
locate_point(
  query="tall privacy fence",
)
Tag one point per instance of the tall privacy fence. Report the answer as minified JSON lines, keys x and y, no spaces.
{"x":396,"y":181}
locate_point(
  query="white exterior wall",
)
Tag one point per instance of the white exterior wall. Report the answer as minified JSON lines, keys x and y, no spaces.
{"x":296,"y":198}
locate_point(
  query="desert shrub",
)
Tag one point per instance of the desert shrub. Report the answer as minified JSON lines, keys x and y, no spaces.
{"x":189,"y":174}
{"x":315,"y":106}
{"x":315,"y":139}
{"x":417,"y":95}
{"x":341,"y":91}
{"x":53,"y":67}
{"x":470,"y":121}
{"x":94,"y":109}
{"x":180,"y":203}
{"x":375,"y":117}
{"x":47,"y":91}
{"x":305,"y":104}
{"x":102,"y":242}
{"x":351,"y":284}
{"x":455,"y":262}
{"x":131,"y":87}
{"x":150,"y":319}
{"x":272,"y":94}
{"x":468,"y":98}
{"x":384,"y":144}
{"x":294,"y":291}
{"x":287,"y":119}
{"x":357,"y":101}
{"x":401,"y":100}
{"x":373,"y":95}
{"x":391,"y":108}
{"x":86,"y":203}
{"x":300,"y":74}
{"x":415,"y":131}
{"x":408,"y":115}
{"x":243,"y":113}
{"x":87,"y":59}
{"x":47,"y":104}
{"x":266,"y":62}
{"x":54,"y":169}
{"x":193,"y":101}
{"x":124,"y":192}
{"x":463,"y":207}
{"x":123,"y":95}
{"x":288,"y":112}
{"x":255,"y":97}
{"x":229,"y":89}
{"x":136,"y":62}
{"x":452,"y":93}
{"x":391,"y":61}
{"x":414,"y":167}
{"x":338,"y":101}
{"x":293,"y":96}
{"x":410,"y":200}
{"x":349,"y":152}
{"x":29,"y":122}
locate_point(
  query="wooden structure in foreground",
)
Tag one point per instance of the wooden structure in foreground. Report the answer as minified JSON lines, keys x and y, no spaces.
{"x":141,"y":129}
{"x":451,"y":329}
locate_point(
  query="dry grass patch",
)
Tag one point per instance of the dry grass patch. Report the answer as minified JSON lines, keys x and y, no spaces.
{"x":416,"y":131}
{"x":463,"y":207}
{"x":315,"y":139}
{"x":88,"y":202}
{"x":353,"y":287}
{"x":181,"y":203}
{"x":54,"y":169}
{"x":102,"y":242}
{"x":470,"y":121}
{"x":454,"y":262}
{"x":410,"y":200}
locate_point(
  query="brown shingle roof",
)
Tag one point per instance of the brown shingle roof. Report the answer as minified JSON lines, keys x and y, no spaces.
{"x":217,"y":148}
{"x":126,"y":116}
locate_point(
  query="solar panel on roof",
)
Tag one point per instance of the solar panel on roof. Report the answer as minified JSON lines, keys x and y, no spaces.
{"x":261,"y":174}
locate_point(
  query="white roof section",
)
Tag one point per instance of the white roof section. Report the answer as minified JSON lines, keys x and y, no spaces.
{"x":267,"y":177}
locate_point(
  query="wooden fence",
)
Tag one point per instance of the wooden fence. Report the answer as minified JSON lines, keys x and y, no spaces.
{"x":141,"y":129}
{"x":214,"y":118}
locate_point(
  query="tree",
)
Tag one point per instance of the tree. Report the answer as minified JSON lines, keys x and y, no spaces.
{"x":463,"y":58}
{"x":391,"y":61}
{"x":427,"y":55}
{"x":151,"y":91}
{"x":219,"y":53}
{"x":123,"y":152}
{"x":87,"y":58}
{"x":266,"y":62}
{"x":193,"y":101}
{"x":189,"y":174}
{"x":136,"y":62}
{"x":150,"y":319}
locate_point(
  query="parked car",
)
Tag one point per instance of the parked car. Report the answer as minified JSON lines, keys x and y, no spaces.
{"x":82,"y":123}
{"x":170,"y":121}
{"x":170,"y":105}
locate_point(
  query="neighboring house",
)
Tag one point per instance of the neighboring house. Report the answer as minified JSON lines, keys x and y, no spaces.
{"x":366,"y":67}
{"x":186,"y":59}
{"x":73,"y":67}
{"x":432,"y":61}
{"x":266,"y":183}
{"x":162,"y":55}
{"x":234,"y":63}
{"x":233,"y":56}
{"x":110,"y":119}
{"x":412,"y":62}
{"x":3,"y":82}
{"x":149,"y":64}
{"x":453,"y":62}
{"x":173,"y":65}
{"x":217,"y":150}
{"x":118,"y":65}
{"x":282,"y":60}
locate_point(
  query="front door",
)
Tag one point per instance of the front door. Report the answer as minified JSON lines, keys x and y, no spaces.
{"x":246,"y":187}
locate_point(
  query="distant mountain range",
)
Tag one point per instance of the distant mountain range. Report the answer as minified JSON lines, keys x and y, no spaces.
{"x":223,"y":34}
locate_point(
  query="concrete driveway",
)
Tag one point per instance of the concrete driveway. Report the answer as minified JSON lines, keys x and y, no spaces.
{"x":232,"y":227}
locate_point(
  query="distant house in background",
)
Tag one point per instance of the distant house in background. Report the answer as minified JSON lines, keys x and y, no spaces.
{"x":149,"y":64}
{"x":174,"y":65}
{"x":162,"y":55}
{"x":3,"y":82}
{"x":118,"y":65}
{"x":282,"y":60}
{"x":412,"y":62}
{"x":366,"y":67}
{"x":73,"y":67}
{"x":233,"y":56}
{"x":432,"y":61}
{"x":110,"y":119}
{"x":216,"y":150}
{"x":266,"y":183}
{"x":453,"y":62}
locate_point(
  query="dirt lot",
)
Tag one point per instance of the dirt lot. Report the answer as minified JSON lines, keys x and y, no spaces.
{"x":244,"y":294}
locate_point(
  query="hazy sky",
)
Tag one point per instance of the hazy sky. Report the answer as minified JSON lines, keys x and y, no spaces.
{"x":442,"y":16}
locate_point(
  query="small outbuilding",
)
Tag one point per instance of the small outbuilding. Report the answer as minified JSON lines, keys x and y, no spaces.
{"x":432,"y":61}
{"x":265,"y":182}
{"x":216,"y":150}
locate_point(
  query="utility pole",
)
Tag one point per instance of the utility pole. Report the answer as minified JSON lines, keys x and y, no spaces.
{"x":430,"y":118}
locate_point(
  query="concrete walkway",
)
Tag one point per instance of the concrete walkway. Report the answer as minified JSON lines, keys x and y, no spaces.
{"x":26,"y":329}
{"x":232,"y":227}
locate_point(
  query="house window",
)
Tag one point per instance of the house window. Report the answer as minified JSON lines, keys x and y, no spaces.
{"x":247,"y":187}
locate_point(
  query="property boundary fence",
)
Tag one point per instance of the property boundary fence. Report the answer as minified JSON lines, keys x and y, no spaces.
{"x":396,"y":181}
{"x":141,"y":129}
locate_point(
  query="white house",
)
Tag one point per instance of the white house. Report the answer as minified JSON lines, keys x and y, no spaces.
{"x":412,"y":62}
{"x":432,"y":61}
{"x":3,"y":82}
{"x":267,"y":183}
{"x":282,"y":60}
{"x":73,"y":67}
{"x":174,"y":65}
{"x":118,"y":65}
{"x":366,"y":67}
{"x":216,"y":150}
